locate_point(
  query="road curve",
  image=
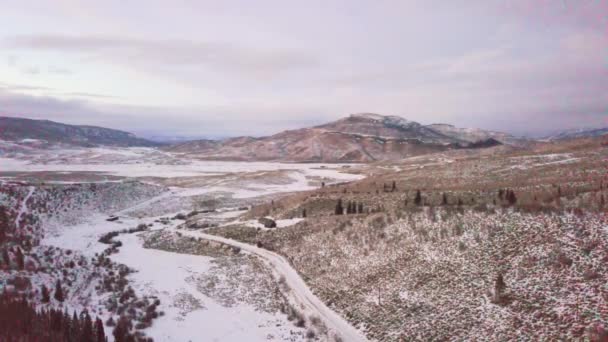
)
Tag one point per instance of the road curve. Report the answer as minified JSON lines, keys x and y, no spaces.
{"x":334,"y":322}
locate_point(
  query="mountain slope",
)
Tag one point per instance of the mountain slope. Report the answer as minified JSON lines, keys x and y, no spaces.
{"x":356,"y":138}
{"x":579,"y":133}
{"x":473,"y":135}
{"x":19,"y":129}
{"x":388,"y":126}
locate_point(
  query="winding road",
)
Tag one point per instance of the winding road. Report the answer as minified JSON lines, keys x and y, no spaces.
{"x":300,"y":291}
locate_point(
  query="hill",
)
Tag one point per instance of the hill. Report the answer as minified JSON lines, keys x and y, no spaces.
{"x":356,"y":138}
{"x":49,"y":132}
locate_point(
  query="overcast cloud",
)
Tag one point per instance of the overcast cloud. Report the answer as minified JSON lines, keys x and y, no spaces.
{"x":235,"y":67}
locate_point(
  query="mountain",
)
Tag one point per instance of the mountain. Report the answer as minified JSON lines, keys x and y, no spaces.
{"x":578,"y":133}
{"x":473,"y":135}
{"x":49,"y":132}
{"x":389,"y":127}
{"x":356,"y":138}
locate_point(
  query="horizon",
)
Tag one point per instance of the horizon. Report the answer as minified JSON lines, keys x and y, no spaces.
{"x":233,"y":69}
{"x":167,"y":138}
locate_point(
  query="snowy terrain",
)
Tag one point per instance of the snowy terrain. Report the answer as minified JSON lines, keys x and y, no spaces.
{"x":175,"y":185}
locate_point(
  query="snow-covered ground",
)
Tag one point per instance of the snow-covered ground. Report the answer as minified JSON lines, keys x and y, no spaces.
{"x":300,"y":293}
{"x":189,"y":314}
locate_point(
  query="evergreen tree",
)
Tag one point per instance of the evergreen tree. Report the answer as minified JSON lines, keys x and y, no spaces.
{"x":122,"y":330}
{"x":304,"y":213}
{"x":86,"y":334}
{"x":418,"y":198}
{"x":511,"y":198}
{"x":339,"y":208}
{"x":46,"y":297}
{"x":58,"y":291}
{"x":67,"y":323}
{"x":75,"y":328}
{"x":6,"y":258}
{"x":100,"y":334}
{"x":360,"y":208}
{"x":394,"y":187}
{"x":20,"y":321}
{"x":444,"y":200}
{"x":19,"y":258}
{"x":3,"y":224}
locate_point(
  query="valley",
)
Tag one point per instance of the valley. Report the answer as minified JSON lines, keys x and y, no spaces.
{"x":496,"y":243}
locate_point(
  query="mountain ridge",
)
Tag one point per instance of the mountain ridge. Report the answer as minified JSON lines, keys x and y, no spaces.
{"x":49,"y":132}
{"x":362,"y":137}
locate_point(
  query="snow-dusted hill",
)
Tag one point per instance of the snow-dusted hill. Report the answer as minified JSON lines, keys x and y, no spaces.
{"x":49,"y":132}
{"x":356,"y":138}
{"x":108,"y":231}
{"x":578,"y":133}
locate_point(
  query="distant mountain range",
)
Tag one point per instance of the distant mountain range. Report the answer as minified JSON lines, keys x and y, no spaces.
{"x":578,"y":133}
{"x":356,"y":138}
{"x":49,"y":132}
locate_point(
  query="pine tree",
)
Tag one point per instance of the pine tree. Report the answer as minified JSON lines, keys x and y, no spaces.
{"x":122,"y":329}
{"x":304,"y":213}
{"x":3,"y":224}
{"x":67,"y":323}
{"x":100,"y":334}
{"x":19,"y":258}
{"x":6,"y":258}
{"x":20,"y":321}
{"x":75,"y":327}
{"x":418,"y":198}
{"x":360,"y":208}
{"x":46,"y":297}
{"x":394,"y":187}
{"x":339,"y":209}
{"x":511,"y":198}
{"x":87,"y":327}
{"x":444,"y":200}
{"x":58,"y":291}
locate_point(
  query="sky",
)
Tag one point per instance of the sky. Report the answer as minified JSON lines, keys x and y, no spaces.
{"x":238,"y":67}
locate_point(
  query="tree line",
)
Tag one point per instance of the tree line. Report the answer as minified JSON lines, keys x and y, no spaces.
{"x":20,"y":321}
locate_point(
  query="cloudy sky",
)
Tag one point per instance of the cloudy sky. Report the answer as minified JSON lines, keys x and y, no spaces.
{"x":234,"y":67}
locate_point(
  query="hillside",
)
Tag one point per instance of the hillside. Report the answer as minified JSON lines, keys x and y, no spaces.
{"x":49,"y":132}
{"x":442,"y":247}
{"x":356,"y":138}
{"x":578,"y":133}
{"x":474,"y":134}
